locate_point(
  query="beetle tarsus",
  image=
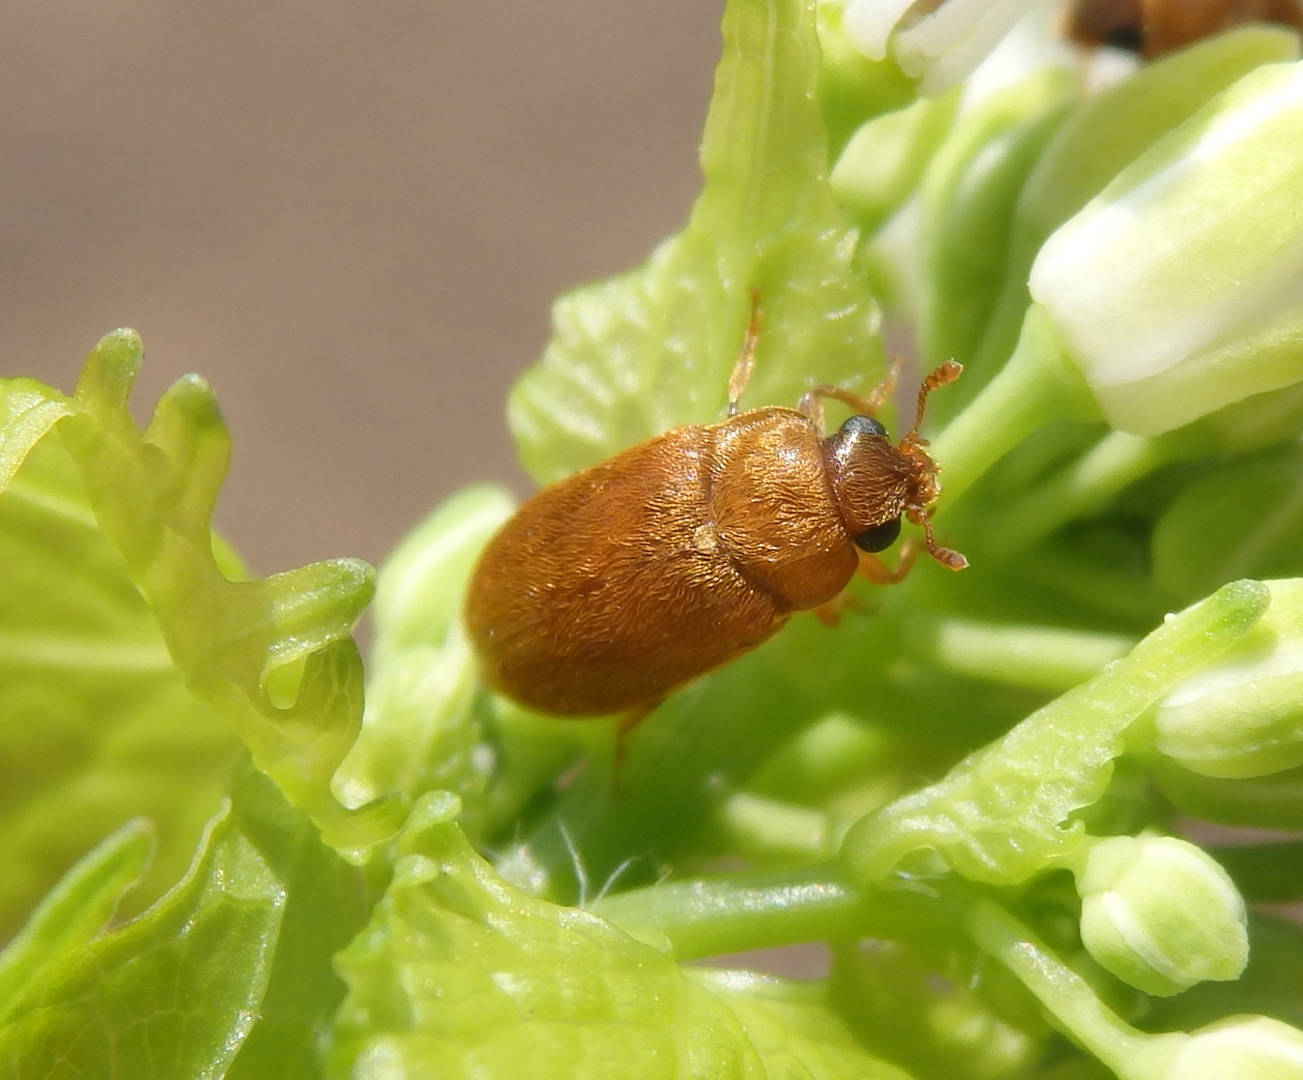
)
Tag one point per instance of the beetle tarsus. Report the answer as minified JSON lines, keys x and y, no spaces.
{"x":947,"y":557}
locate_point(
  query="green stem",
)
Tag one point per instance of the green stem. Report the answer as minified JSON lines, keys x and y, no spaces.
{"x":759,"y":827}
{"x":1064,"y":993}
{"x":1115,"y":463}
{"x":1037,"y":385}
{"x":1039,"y":657}
{"x":767,"y":909}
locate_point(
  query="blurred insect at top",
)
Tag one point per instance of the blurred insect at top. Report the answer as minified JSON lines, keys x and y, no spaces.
{"x":1154,"y":27}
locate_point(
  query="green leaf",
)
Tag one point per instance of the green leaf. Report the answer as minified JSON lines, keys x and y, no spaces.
{"x":28,"y":410}
{"x":228,"y":975}
{"x":652,"y":350}
{"x":1005,"y":812}
{"x":272,"y":656}
{"x":96,"y":725}
{"x":462,"y":974}
{"x":793,"y":1028}
{"x":459,"y":973}
{"x":128,"y":651}
{"x":170,"y":995}
{"x":78,"y":908}
{"x":327,"y":903}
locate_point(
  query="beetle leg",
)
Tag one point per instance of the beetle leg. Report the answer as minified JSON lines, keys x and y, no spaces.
{"x":873,"y":569}
{"x":883,"y":391}
{"x":746,"y":361}
{"x":623,"y":730}
{"x":830,"y":611}
{"x":812,"y":407}
{"x":947,"y":557}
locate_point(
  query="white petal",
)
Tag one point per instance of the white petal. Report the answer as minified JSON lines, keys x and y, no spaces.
{"x":947,"y":44}
{"x":869,"y":23}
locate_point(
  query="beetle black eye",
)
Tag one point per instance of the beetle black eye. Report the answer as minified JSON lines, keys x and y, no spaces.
{"x":862,"y":425}
{"x":880,"y":537}
{"x":1122,"y":36}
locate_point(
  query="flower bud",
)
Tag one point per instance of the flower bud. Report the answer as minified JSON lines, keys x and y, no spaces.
{"x":1243,"y":715}
{"x":939,"y":47}
{"x":967,"y":201}
{"x":883,"y":162}
{"x":1179,"y":289}
{"x":1160,"y":914}
{"x":1241,"y":1047}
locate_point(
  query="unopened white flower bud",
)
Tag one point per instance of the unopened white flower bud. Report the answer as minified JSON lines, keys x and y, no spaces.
{"x":1243,"y":715}
{"x":1178,"y":290}
{"x":1240,"y":1048}
{"x":1161,"y":915}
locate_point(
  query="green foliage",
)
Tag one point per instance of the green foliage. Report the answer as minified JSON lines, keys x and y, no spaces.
{"x":98,"y":724}
{"x":1006,"y":812}
{"x":652,"y":350}
{"x":273,"y":657}
{"x":228,"y":974}
{"x":76,"y":909}
{"x":933,"y":775}
{"x":459,"y":973}
{"x":420,"y":730}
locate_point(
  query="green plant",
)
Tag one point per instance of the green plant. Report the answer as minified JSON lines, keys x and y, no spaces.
{"x":967,"y":790}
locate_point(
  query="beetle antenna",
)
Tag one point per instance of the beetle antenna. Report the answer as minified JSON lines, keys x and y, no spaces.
{"x":946,"y":373}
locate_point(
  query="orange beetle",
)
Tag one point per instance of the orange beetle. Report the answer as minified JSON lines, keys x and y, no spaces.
{"x":617,"y":585}
{"x":1154,"y":27}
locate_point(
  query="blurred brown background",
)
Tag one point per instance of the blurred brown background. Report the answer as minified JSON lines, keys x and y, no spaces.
{"x":350,"y":217}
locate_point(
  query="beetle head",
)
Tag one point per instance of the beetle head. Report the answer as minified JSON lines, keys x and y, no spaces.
{"x":876,"y":483}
